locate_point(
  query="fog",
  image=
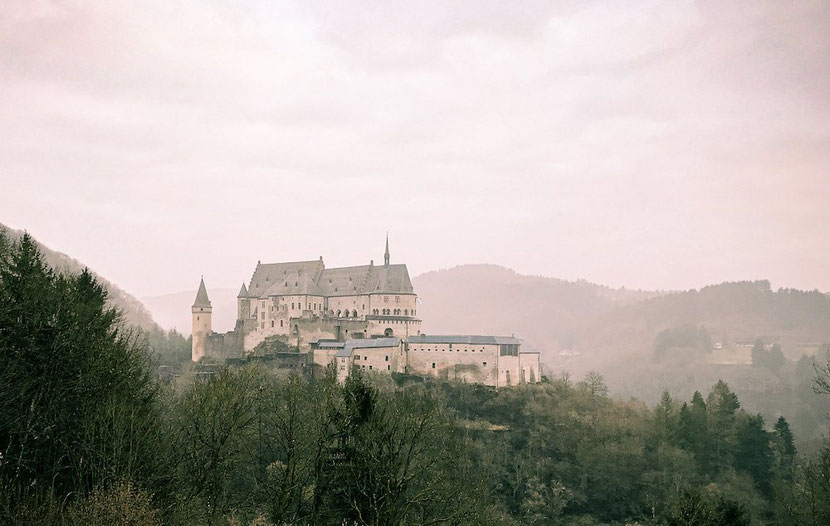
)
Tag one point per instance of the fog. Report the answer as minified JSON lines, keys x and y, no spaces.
{"x":637,"y":144}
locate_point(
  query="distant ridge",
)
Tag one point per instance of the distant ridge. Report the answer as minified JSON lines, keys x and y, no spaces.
{"x":565,"y":319}
{"x":135,"y":313}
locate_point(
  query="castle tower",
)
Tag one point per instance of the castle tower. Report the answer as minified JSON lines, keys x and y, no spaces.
{"x":201,"y":322}
{"x":243,"y":311}
{"x":386,"y":254}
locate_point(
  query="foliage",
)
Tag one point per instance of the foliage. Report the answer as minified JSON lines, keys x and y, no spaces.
{"x":79,"y":406}
{"x":121,"y":504}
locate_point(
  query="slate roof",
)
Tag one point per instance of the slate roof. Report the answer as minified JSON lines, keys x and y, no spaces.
{"x":465,"y":339}
{"x":202,"y":299}
{"x":268,"y":274}
{"x":313,"y":279}
{"x":243,"y":292}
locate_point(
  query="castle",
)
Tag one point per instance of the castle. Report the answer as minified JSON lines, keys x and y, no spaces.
{"x":307,"y":316}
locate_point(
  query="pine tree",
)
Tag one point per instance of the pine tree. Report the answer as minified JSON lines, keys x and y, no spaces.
{"x":721,"y":406}
{"x":79,"y":407}
{"x":783,"y":449}
{"x":664,"y":418}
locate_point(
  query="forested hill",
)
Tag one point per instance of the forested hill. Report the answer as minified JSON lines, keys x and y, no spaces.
{"x":734,"y":313}
{"x":134,"y":311}
{"x":565,"y":319}
{"x":548,"y":313}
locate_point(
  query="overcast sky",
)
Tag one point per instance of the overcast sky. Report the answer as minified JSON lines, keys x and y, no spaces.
{"x":647,"y":144}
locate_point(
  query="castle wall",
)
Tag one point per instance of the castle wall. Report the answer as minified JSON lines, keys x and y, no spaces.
{"x":471,"y":363}
{"x":322,"y":358}
{"x":509,"y":371}
{"x":530,"y":366}
{"x":405,"y":304}
{"x":400,"y":328}
{"x":380,"y":359}
{"x":224,"y":346}
{"x":357,"y":303}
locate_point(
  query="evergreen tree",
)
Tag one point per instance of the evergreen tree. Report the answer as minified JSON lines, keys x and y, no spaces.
{"x":783,"y":449}
{"x":699,"y":431}
{"x":721,"y":406}
{"x":664,"y":418}
{"x":753,"y":453}
{"x":79,"y":407}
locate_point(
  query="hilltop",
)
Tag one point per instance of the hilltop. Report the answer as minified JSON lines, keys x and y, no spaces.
{"x":135,"y":313}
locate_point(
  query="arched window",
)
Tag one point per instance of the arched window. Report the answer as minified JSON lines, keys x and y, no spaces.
{"x":354,"y":314}
{"x":345,"y":313}
{"x":406,"y":312}
{"x":388,"y":332}
{"x":338,"y":313}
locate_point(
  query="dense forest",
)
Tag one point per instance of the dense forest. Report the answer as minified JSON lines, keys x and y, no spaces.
{"x":89,"y":435}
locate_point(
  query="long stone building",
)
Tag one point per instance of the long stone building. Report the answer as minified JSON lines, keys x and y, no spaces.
{"x":363,"y":316}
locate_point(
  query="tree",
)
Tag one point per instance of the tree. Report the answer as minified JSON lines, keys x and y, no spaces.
{"x":595,"y":384}
{"x":214,"y":428}
{"x":399,"y":460}
{"x":721,"y":405}
{"x":783,"y":449}
{"x":753,"y":452}
{"x":664,"y":418}
{"x":821,"y":368}
{"x":694,"y":508}
{"x":79,"y":407}
{"x":759,"y":353}
{"x":545,"y":503}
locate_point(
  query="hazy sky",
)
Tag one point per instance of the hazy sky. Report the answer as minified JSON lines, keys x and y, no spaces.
{"x":646,"y":144}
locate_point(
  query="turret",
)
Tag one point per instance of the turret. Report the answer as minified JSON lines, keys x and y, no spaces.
{"x":201,"y":310}
{"x":243,"y":311}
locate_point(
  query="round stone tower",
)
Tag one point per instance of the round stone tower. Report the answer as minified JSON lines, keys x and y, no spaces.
{"x":201,"y":322}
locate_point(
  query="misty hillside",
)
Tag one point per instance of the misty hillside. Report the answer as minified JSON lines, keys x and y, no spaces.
{"x":580,"y":325}
{"x":550,"y":314}
{"x":734,"y":313}
{"x":135,"y":313}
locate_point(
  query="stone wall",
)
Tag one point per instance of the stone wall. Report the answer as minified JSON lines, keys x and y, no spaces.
{"x":381,"y":359}
{"x":471,"y":363}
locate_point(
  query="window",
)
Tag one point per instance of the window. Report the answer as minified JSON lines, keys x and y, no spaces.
{"x":370,"y":367}
{"x":272,"y":324}
{"x":484,"y":364}
{"x":387,"y":358}
{"x":262,"y":325}
{"x":292,"y":306}
{"x":433,"y":365}
{"x":388,"y":367}
{"x":197,"y":318}
{"x":280,"y":323}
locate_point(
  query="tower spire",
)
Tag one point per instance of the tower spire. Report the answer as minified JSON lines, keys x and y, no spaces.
{"x":386,"y":254}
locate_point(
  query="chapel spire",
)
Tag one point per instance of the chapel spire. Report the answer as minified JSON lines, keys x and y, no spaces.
{"x":386,"y":254}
